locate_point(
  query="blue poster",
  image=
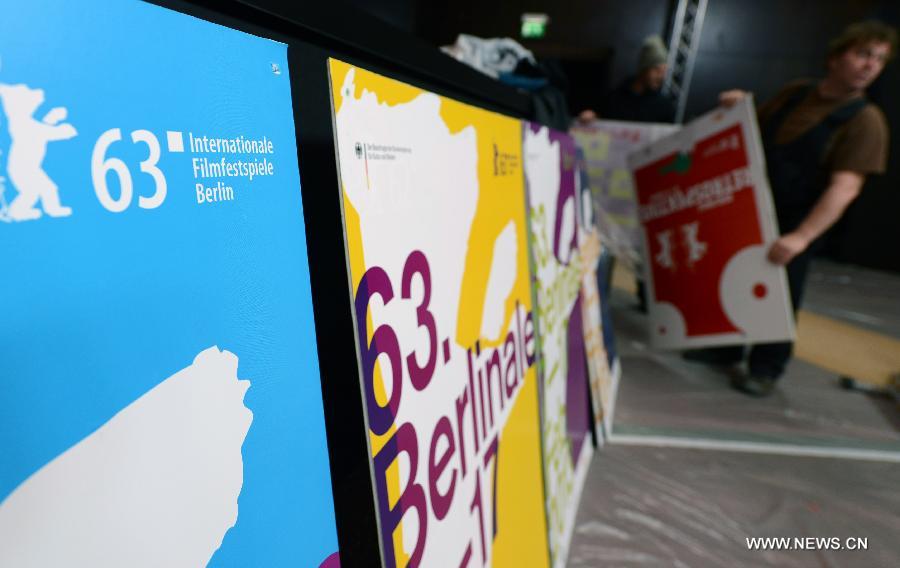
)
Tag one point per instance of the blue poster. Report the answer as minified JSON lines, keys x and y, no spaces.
{"x":160,"y":400}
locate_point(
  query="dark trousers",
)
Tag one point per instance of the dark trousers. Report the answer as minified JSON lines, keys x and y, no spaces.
{"x":770,"y":359}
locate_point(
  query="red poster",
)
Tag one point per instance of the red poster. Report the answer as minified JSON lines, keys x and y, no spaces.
{"x":705,"y":208}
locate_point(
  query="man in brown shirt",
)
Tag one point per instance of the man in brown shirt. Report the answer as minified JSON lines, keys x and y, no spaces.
{"x":859,"y":145}
{"x":821,"y":139}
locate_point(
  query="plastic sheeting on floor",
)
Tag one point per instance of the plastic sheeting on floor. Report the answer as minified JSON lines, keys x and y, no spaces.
{"x":658,"y":502}
{"x":676,"y":507}
{"x":663,"y":395}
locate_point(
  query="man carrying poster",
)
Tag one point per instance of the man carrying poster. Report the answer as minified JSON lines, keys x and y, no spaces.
{"x":821,"y":140}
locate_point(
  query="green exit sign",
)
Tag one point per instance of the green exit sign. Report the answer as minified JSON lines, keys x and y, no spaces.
{"x":534,"y":25}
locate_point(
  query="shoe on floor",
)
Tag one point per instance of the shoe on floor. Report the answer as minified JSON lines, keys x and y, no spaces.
{"x":754,"y":385}
{"x":713,"y":356}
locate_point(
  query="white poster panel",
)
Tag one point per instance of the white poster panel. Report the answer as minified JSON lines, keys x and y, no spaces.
{"x":606,"y":145}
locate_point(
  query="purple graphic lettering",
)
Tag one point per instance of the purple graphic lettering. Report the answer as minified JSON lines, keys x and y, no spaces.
{"x":384,"y":341}
{"x":416,"y":263}
{"x":467,"y":556}
{"x":484,"y":424}
{"x":472,"y":398}
{"x":489,"y":456}
{"x":476,"y":504}
{"x":511,"y":364}
{"x":529,"y":346}
{"x":461,"y":403}
{"x":578,"y":419}
{"x":440,"y":502}
{"x":333,"y":561}
{"x":493,"y":364}
{"x":412,"y":496}
{"x":494,"y":375}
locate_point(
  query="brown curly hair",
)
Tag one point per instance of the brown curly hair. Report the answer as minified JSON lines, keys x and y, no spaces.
{"x":862,"y":33}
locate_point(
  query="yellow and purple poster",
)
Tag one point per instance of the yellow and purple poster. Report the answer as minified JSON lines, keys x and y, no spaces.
{"x":435,"y":217}
{"x":565,"y":251}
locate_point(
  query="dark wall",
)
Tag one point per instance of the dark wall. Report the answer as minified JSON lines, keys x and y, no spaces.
{"x":605,"y":35}
{"x":399,"y":13}
{"x":759,"y":46}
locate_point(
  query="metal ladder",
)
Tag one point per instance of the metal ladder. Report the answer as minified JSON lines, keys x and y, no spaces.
{"x":683,"y":52}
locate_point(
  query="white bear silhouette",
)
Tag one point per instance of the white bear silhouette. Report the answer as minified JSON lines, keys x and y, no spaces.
{"x":29,"y":138}
{"x":156,"y":486}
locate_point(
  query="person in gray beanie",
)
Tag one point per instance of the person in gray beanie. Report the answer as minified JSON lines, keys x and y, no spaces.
{"x":639,"y":98}
{"x":652,"y":62}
